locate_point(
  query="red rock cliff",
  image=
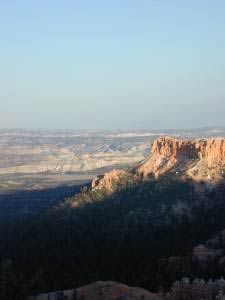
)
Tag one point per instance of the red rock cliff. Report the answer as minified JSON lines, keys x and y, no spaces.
{"x":200,"y":160}
{"x":108,"y":180}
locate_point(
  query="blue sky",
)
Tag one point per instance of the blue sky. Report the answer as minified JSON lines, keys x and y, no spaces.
{"x":144,"y":64}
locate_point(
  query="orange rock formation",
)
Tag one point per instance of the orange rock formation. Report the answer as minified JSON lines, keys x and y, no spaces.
{"x":200,"y":160}
{"x":108,"y":180}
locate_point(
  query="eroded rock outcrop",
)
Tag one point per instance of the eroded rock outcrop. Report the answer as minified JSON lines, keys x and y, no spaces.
{"x":201,"y":160}
{"x":113,"y":290}
{"x":100,"y":290}
{"x":198,"y":289}
{"x":213,"y":250}
{"x":110,"y":179}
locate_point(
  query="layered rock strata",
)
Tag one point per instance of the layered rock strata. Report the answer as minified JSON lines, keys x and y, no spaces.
{"x":201,"y":160}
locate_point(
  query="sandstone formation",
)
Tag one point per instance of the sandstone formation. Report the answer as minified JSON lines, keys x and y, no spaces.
{"x":109,"y":290}
{"x":113,"y":290}
{"x":109,"y":179}
{"x":197,"y":290}
{"x":202,"y":160}
{"x":202,"y":253}
{"x":101,"y":290}
{"x":213,"y":249}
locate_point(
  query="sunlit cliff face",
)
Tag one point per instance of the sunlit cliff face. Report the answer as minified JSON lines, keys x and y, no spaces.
{"x":199,"y":160}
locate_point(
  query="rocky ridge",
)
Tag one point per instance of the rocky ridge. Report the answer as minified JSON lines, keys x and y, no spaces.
{"x":102,"y":290}
{"x":108,"y":290}
{"x":202,"y":160}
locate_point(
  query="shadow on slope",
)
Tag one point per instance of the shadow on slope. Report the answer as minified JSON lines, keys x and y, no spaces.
{"x":97,"y":235}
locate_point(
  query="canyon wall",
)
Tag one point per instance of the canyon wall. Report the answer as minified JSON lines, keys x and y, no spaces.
{"x":202,"y":160}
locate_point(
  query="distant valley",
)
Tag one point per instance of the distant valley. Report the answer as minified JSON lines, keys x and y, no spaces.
{"x":39,"y":168}
{"x":41,"y":159}
{"x":148,"y":222}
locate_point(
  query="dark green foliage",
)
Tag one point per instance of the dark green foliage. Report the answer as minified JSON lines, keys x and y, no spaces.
{"x":97,"y":235}
{"x":12,"y":286}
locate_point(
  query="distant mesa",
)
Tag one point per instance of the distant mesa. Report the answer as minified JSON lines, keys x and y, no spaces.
{"x":202,"y":160}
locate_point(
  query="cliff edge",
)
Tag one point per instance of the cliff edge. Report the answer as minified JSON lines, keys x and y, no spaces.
{"x":201,"y":160}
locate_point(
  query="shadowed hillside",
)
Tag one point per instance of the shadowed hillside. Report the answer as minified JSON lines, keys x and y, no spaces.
{"x":139,"y":230}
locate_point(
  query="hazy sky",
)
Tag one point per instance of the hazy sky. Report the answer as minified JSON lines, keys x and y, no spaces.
{"x":132,"y":64}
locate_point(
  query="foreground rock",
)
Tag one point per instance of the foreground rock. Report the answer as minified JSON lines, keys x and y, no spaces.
{"x":100,"y":290}
{"x":109,"y":290}
{"x":197,"y":289}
